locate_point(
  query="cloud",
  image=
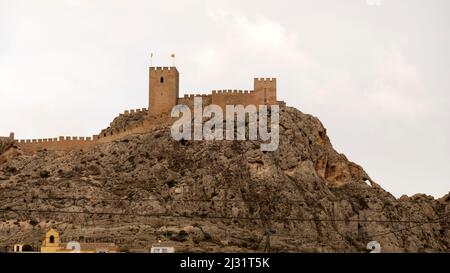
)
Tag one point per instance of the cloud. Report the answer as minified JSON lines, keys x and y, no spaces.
{"x":387,"y":85}
{"x":242,"y":42}
{"x":397,"y":88}
{"x":73,"y":3}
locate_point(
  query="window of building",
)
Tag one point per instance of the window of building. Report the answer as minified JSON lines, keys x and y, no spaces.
{"x":52,"y":239}
{"x":162,"y":80}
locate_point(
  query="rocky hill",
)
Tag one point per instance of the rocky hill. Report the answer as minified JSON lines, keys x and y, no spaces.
{"x":5,"y":144}
{"x":221,"y":196}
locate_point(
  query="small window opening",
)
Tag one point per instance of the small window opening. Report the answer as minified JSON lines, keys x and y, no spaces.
{"x":162,"y":80}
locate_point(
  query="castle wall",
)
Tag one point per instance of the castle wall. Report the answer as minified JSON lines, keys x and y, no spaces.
{"x":188,"y":100}
{"x":64,"y":143}
{"x":133,"y":111}
{"x":164,"y":93}
{"x":264,"y":93}
{"x":232,"y":97}
{"x":57,"y":144}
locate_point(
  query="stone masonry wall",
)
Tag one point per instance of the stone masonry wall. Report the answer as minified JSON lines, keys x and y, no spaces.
{"x":163,"y":89}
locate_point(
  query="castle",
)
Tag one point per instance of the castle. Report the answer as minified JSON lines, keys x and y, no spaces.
{"x":164,"y":92}
{"x":163,"y":95}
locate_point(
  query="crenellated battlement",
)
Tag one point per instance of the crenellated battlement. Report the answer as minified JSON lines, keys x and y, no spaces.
{"x":163,"y":68}
{"x":190,"y":96}
{"x":135,"y":111}
{"x":229,"y":91}
{"x":59,"y":139}
{"x":62,"y":143}
{"x":265,"y":79}
{"x":264,"y":93}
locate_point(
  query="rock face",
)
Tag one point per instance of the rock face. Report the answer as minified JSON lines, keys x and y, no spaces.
{"x":219,"y":196}
{"x":123,"y":121}
{"x":5,"y":144}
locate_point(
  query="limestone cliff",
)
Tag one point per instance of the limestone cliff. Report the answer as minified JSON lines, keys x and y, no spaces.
{"x":215,"y":196}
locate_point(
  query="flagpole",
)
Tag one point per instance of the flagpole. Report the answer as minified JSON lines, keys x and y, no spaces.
{"x":173,"y":59}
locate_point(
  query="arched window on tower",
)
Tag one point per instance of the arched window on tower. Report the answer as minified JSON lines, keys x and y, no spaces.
{"x":51,"y":239}
{"x":162,"y":80}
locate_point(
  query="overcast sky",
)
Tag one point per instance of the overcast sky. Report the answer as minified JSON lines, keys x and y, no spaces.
{"x":377,"y":76}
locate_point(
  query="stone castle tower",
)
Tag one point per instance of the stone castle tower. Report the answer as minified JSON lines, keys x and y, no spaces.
{"x":164,"y":88}
{"x":265,"y":91}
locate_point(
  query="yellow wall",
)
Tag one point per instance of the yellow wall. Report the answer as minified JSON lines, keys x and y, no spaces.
{"x":48,"y":246}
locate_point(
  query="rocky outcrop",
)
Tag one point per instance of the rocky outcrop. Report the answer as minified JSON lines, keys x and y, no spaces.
{"x":6,"y":145}
{"x":124,"y":121}
{"x":215,"y":196}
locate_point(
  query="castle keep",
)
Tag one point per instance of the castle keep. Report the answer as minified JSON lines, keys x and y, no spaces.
{"x":164,"y":85}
